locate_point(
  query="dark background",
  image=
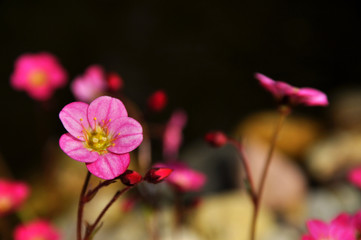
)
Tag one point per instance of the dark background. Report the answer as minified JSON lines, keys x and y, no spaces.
{"x":202,"y":53}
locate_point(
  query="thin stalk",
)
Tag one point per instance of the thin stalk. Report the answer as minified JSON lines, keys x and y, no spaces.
{"x":257,"y":204}
{"x":247,"y":169}
{"x":96,"y":222}
{"x":81,"y":206}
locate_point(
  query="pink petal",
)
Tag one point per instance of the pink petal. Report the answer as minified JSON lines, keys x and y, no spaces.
{"x":354,"y":176}
{"x":104,"y":109}
{"x":311,"y":97}
{"x":317,"y":228}
{"x":75,"y":149}
{"x":128,"y":135}
{"x":307,"y":237}
{"x":109,"y":165}
{"x":74,"y":118}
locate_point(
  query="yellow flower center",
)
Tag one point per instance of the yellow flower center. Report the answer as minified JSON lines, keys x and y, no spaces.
{"x":38,"y":78}
{"x":98,"y":139}
{"x":5,"y":204}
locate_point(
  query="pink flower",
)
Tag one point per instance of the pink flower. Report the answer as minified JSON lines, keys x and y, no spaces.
{"x":12,"y":195}
{"x":39,"y":229}
{"x":290,"y":95}
{"x":183,"y":178}
{"x":38,"y":74}
{"x":354,"y":176}
{"x":157,"y":101}
{"x":172,"y":137}
{"x":91,"y":85}
{"x":101,"y":135}
{"x":340,"y":228}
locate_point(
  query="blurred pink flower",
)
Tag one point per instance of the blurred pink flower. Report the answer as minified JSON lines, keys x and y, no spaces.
{"x":90,"y":85}
{"x":38,"y":74}
{"x":157,"y":101}
{"x":216,"y":138}
{"x":172,"y":137}
{"x":354,"y":176}
{"x":12,"y":195}
{"x":184,"y":178}
{"x":36,"y":230}
{"x":340,"y":228}
{"x":287,"y":94}
{"x":101,"y":135}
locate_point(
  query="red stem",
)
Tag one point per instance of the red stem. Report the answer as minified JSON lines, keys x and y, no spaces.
{"x":81,"y":206}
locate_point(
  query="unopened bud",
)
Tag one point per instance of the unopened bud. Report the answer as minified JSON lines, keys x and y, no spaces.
{"x":115,"y":82}
{"x":156,"y":175}
{"x":157,"y":101}
{"x":130,"y":178}
{"x":216,"y":139}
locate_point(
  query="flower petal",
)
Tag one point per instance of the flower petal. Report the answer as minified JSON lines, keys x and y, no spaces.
{"x":109,"y":165}
{"x":75,"y":149}
{"x":104,"y":109}
{"x":127,"y":133}
{"x":74,"y":118}
{"x":311,"y":97}
{"x":317,"y":228}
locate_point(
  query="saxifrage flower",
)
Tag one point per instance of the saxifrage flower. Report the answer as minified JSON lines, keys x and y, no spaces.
{"x":38,"y":74}
{"x":100,"y":134}
{"x":38,"y":229}
{"x":290,"y":95}
{"x":12,"y":195}
{"x":340,"y":228}
{"x":90,"y":85}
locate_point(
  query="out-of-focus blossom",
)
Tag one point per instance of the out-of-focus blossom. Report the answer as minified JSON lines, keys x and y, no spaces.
{"x":36,"y":230}
{"x":12,"y":195}
{"x":38,"y":74}
{"x":100,"y":134}
{"x":157,"y":101}
{"x":340,"y":228}
{"x":354,"y":176}
{"x":130,"y":178}
{"x":128,"y":204}
{"x":216,"y":138}
{"x":115,"y":82}
{"x":184,"y":178}
{"x":172,"y":137}
{"x":290,"y":95}
{"x":157,"y":174}
{"x":90,"y":85}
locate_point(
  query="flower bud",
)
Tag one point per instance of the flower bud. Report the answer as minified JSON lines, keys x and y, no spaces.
{"x":157,"y":101}
{"x":216,"y":139}
{"x":156,"y":175}
{"x":130,"y":178}
{"x":115,"y":82}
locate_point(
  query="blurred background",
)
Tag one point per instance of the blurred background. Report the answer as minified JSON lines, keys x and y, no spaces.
{"x":203,"y":54}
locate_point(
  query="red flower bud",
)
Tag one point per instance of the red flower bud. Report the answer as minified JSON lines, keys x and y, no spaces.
{"x":157,"y":101}
{"x":156,"y":175}
{"x":216,"y":139}
{"x":130,"y":178}
{"x":115,"y":82}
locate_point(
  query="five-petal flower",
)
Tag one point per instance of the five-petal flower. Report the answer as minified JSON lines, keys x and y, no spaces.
{"x":100,"y":134}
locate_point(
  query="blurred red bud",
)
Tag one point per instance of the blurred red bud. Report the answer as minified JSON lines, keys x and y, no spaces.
{"x":115,"y":82}
{"x":130,"y":178}
{"x":156,"y":175}
{"x":157,"y":101}
{"x":216,"y":139}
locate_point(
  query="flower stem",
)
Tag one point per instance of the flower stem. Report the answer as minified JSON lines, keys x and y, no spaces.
{"x":81,"y":206}
{"x":247,"y":169}
{"x":92,"y":227}
{"x":257,"y":204}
